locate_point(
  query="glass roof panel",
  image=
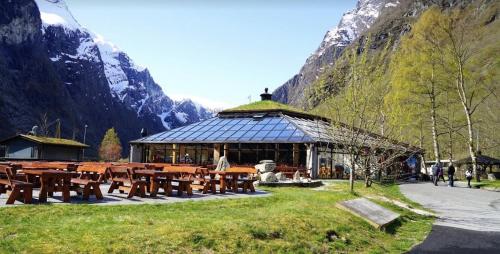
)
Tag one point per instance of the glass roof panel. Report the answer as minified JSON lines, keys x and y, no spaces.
{"x":247,"y":129}
{"x":275,"y":120}
{"x":257,"y":127}
{"x":238,"y":134}
{"x":268,"y":127}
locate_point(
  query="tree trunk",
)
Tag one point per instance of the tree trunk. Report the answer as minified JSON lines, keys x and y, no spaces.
{"x":367,"y":172}
{"x":471,"y":146}
{"x":351,"y":176}
{"x":435,"y":141}
{"x":450,"y":144}
{"x":450,"y":125}
{"x":468,"y":114}
{"x":421,"y":143}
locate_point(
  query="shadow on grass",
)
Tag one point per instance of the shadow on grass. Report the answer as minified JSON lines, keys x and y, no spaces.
{"x":393,"y":227}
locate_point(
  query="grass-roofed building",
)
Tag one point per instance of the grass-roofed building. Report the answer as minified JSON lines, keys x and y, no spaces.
{"x":32,"y":147}
{"x":263,"y":130}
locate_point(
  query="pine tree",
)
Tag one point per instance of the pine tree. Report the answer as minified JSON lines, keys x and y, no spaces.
{"x":110,"y":148}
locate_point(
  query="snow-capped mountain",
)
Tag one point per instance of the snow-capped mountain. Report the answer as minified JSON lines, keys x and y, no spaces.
{"x":52,"y":66}
{"x":352,"y":24}
{"x":129,"y":83}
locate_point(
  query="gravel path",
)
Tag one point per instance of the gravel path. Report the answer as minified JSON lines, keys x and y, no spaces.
{"x":468,"y":219}
{"x":459,"y":207}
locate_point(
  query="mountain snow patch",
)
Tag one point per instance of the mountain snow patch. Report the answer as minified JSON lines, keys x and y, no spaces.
{"x":56,"y":13}
{"x":353,"y":23}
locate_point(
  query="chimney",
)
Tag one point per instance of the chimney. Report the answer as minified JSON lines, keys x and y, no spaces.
{"x":144,"y":132}
{"x":34,"y":131}
{"x":266,"y":96}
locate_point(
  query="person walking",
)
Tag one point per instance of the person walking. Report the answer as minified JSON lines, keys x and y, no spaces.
{"x":441,"y":173}
{"x":468,"y":176}
{"x":451,"y":173}
{"x":435,"y":169}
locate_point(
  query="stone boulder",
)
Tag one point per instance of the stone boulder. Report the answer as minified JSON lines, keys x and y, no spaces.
{"x":268,"y":177}
{"x":265,"y":166}
{"x":281,"y":176}
{"x":296,"y":176}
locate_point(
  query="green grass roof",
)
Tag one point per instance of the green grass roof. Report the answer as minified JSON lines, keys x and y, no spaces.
{"x":54,"y":141}
{"x":266,"y":106}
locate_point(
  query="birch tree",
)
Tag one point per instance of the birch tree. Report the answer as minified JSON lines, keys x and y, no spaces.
{"x":418,"y":77}
{"x":358,"y":112}
{"x":472,"y":85}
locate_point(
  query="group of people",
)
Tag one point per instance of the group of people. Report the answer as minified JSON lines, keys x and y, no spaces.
{"x":438,"y":173}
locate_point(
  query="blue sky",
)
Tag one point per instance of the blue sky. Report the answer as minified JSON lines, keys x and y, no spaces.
{"x":217,"y":52}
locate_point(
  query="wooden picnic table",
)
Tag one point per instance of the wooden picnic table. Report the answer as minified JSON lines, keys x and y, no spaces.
{"x":46,"y":166}
{"x":229,"y":178}
{"x":50,"y":181}
{"x":156,"y":179}
{"x":222,"y":180}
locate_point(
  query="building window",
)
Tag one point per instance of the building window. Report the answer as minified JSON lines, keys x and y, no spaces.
{"x":3,"y":151}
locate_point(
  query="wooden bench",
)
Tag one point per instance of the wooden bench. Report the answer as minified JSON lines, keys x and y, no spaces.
{"x":245,"y":179}
{"x":123,"y":179}
{"x":89,"y":180}
{"x":19,"y":190}
{"x":155,"y":180}
{"x":289,"y":172}
{"x":201,"y":180}
{"x":183,"y":177}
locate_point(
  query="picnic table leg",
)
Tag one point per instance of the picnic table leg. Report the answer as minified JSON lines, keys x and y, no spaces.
{"x":235,"y":183}
{"x":153,"y":188}
{"x":149,"y":184}
{"x":121,"y":184}
{"x":97,"y":191}
{"x":142,"y":189}
{"x":222,"y":184}
{"x":13,"y":195}
{"x":50,"y":186}
{"x":133,"y":190}
{"x":245,"y":186}
{"x":252,"y":188}
{"x":180,"y":188}
{"x":28,"y":194}
{"x":189,"y":190}
{"x":42,"y":196}
{"x":65,"y":189}
{"x":86,"y":192}
{"x":213,"y":186}
{"x":112,"y":187}
{"x":168,"y":190}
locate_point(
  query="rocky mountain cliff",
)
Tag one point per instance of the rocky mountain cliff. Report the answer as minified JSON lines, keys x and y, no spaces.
{"x":352,"y":24}
{"x":50,"y":64}
{"x":381,"y":19}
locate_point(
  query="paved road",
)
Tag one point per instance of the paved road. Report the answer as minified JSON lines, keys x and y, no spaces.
{"x":457,"y":241}
{"x":468,"y":219}
{"x":465,"y":208}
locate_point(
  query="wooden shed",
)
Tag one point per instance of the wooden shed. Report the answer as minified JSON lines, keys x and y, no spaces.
{"x":30,"y":147}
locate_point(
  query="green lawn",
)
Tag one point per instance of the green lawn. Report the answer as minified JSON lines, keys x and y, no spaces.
{"x":291,"y":220}
{"x":486,"y":183}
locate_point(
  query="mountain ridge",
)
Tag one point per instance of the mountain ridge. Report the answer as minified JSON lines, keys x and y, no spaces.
{"x":51,"y":66}
{"x":352,"y":24}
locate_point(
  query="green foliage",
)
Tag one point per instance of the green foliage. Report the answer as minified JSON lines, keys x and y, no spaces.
{"x":110,"y":148}
{"x":264,"y":106}
{"x":292,"y":220}
{"x":402,"y":76}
